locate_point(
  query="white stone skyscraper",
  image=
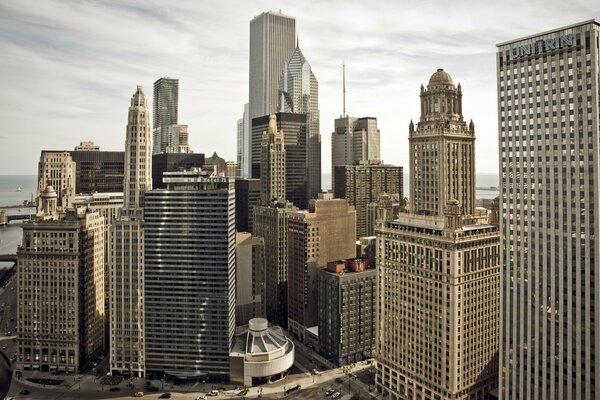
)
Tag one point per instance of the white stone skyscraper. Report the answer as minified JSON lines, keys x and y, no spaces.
{"x":299,"y":94}
{"x":549,"y":114}
{"x":165,"y":106}
{"x":127,"y":247}
{"x":272,"y":42}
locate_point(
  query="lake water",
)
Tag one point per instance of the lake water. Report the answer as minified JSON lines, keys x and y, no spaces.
{"x":483,"y":180}
{"x":11,"y":234}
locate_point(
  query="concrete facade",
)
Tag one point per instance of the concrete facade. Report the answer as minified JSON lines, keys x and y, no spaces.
{"x":548,"y":119}
{"x":164,"y":112}
{"x":250,"y":278}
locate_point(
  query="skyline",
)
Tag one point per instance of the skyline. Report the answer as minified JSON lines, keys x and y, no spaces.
{"x":82,"y":61}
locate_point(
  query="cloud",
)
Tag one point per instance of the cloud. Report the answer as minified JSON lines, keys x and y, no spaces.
{"x":71,"y":67}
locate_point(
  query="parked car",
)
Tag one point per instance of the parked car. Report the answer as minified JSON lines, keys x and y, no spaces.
{"x":138,"y":394}
{"x":24,"y":391}
{"x":153,"y":389}
{"x":336,"y":395}
{"x":213,"y":393}
{"x":165,"y":396}
{"x":329,"y":392}
{"x":115,"y":389}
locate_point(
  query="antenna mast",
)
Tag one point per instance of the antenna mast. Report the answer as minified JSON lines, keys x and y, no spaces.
{"x":344,"y":87}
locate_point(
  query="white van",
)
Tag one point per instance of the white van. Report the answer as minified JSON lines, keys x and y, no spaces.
{"x":213,"y":393}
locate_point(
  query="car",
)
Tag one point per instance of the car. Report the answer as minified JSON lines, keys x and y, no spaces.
{"x":336,"y":395}
{"x":165,"y":396}
{"x":24,"y":391}
{"x":339,"y":380}
{"x":138,"y":394}
{"x":115,"y":389}
{"x":316,"y":371}
{"x":4,"y":347}
{"x":8,"y":333}
{"x":213,"y":393}
{"x":329,"y":392}
{"x":201,"y":398}
{"x":153,"y":389}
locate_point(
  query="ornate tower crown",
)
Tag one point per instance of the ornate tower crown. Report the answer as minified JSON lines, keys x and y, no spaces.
{"x":442,"y":158}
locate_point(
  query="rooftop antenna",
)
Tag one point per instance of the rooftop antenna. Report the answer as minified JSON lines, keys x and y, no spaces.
{"x":344,"y":87}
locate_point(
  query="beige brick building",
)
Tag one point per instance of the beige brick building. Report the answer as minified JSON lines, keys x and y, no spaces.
{"x":437,"y":319}
{"x":323,"y":233}
{"x":60,"y":289}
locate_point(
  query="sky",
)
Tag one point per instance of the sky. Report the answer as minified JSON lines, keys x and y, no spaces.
{"x":69,"y":68}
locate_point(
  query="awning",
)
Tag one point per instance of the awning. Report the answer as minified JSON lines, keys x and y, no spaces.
{"x":26,"y":365}
{"x":71,"y":369}
{"x":62,"y":368}
{"x":36,"y":366}
{"x":52,"y":367}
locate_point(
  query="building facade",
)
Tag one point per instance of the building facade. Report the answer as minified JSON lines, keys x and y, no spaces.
{"x":127,"y":344}
{"x":294,"y":128}
{"x":189,"y":275}
{"x":272,"y":42}
{"x":249,"y":278}
{"x":247,"y":196}
{"x":299,"y":94}
{"x":270,"y":223}
{"x":171,"y":162}
{"x":164,"y":112}
{"x":362,"y":184}
{"x":347,"y":310}
{"x":442,"y":150}
{"x":60,"y":289}
{"x":354,"y":140}
{"x":57,"y":169}
{"x":548,"y":117}
{"x":178,"y":139}
{"x":325,"y":232}
{"x":438,"y":276}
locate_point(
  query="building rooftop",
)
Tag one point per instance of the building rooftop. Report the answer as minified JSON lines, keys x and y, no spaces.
{"x":590,"y":21}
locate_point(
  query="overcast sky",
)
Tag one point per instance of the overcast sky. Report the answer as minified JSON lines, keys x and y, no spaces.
{"x":69,"y":68}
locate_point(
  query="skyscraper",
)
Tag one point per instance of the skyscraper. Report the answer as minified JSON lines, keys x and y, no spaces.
{"x":166,"y":100}
{"x":57,"y":169}
{"x":189,"y":275}
{"x":178,"y":139}
{"x":272,"y":164}
{"x":270,"y":222}
{"x":442,"y":150}
{"x":272,"y":42}
{"x":354,"y":140}
{"x":438,"y":274}
{"x":249,"y":278}
{"x":299,"y":94}
{"x":325,"y":232}
{"x":548,"y":109}
{"x":362,"y":184}
{"x":294,"y":127}
{"x":127,"y":345}
{"x":244,"y":131}
{"x":60,"y":288}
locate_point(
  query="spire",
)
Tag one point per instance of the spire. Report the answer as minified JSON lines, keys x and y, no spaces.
{"x":297,"y":41}
{"x":344,"y":88}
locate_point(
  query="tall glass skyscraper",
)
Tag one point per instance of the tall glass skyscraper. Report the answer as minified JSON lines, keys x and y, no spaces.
{"x":549,"y":115}
{"x":164,"y":108}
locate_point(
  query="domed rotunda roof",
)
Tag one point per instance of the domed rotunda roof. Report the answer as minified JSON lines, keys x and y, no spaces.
{"x":440,"y":77}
